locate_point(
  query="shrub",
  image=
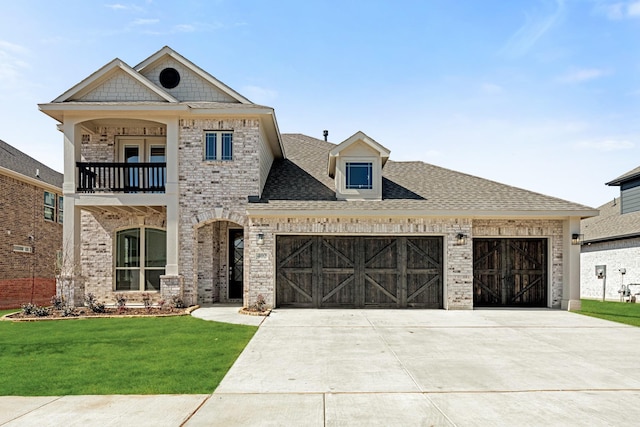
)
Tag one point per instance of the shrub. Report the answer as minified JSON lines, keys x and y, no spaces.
{"x":161,"y":304}
{"x":177,"y":302}
{"x":28,"y":308}
{"x":146,"y":300}
{"x":68,"y":312}
{"x":260,"y":304}
{"x":42,"y":311}
{"x":93,"y":303}
{"x":121,"y":302}
{"x":57,"y":302}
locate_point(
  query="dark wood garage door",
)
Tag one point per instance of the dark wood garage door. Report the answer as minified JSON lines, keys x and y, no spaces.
{"x":510,"y":272}
{"x":350,"y":271}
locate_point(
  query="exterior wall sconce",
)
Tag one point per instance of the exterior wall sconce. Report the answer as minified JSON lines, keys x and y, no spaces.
{"x":260,"y":239}
{"x":577,"y":239}
{"x":461,"y":239}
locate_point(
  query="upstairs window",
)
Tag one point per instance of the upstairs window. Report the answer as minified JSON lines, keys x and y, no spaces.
{"x":49,"y":206}
{"x":60,"y":209}
{"x":218,"y":145}
{"x":359,"y":175}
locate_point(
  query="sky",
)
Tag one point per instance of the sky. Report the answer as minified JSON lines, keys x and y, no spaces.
{"x":538,"y":94}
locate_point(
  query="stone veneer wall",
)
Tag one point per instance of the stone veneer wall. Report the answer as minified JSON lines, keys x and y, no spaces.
{"x":101,"y":144}
{"x":213,"y":190}
{"x":616,"y":254}
{"x":96,"y":253}
{"x":551,"y":229}
{"x":213,"y":262}
{"x":260,"y":265}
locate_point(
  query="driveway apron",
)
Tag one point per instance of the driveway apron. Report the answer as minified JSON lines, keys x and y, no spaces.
{"x":431,"y":367}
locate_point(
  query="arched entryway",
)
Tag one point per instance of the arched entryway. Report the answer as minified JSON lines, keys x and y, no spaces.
{"x":220,"y":262}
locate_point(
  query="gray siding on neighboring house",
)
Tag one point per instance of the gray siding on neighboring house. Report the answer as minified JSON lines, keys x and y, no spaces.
{"x":630,"y":195}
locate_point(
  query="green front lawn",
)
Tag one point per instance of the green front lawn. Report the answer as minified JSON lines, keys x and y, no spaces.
{"x":621,"y":312}
{"x":168,"y":355}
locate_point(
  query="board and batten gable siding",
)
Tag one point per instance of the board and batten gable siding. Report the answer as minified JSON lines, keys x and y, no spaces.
{"x":630,"y":196}
{"x":266,"y":159}
{"x":192,"y":87}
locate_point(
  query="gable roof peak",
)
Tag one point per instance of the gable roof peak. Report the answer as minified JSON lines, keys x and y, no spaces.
{"x":167,"y":51}
{"x":104,"y":73}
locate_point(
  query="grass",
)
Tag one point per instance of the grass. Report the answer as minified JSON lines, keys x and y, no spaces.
{"x":170,"y":355}
{"x":627,"y":313}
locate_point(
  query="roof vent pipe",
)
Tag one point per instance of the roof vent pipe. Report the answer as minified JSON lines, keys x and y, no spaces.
{"x":326,"y":134}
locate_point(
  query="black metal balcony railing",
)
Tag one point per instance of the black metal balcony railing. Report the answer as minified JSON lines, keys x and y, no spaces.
{"x":121,"y":177}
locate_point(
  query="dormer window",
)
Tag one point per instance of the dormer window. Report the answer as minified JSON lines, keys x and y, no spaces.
{"x":359,"y":175}
{"x":356,"y":165}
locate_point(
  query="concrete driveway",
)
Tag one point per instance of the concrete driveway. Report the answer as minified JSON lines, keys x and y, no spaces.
{"x":392,"y":368}
{"x":435,"y":367}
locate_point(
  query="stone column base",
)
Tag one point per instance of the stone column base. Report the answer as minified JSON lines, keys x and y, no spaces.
{"x":171,"y":286}
{"x":571,"y":305}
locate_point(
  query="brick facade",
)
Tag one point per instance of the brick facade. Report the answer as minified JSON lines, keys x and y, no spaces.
{"x":26,"y":277}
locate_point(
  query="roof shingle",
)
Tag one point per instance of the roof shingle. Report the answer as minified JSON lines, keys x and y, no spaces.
{"x":15,"y":160}
{"x":301,"y":182}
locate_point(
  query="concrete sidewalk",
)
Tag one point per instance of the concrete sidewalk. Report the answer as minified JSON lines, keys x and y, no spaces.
{"x":392,"y":367}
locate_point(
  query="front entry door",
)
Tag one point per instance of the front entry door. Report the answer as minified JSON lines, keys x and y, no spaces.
{"x":236,"y":263}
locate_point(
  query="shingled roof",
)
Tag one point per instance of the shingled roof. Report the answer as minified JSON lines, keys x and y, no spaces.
{"x":632,"y":174}
{"x":611,"y":224}
{"x":15,"y":160}
{"x":301,"y":182}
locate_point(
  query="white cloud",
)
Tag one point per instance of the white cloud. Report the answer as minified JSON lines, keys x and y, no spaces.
{"x":621,"y":10}
{"x":582,"y":75}
{"x":606,"y":145}
{"x":116,"y":6}
{"x":532,"y":30}
{"x":141,"y":21}
{"x":12,"y":47}
{"x":13,"y":65}
{"x":491,"y":88}
{"x":259,"y":94}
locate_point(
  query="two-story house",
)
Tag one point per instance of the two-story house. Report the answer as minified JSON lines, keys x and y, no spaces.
{"x":612,"y":244}
{"x":177,"y":185}
{"x":31,"y":215}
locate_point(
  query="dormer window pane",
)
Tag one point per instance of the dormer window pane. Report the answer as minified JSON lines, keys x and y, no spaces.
{"x":359,"y":175}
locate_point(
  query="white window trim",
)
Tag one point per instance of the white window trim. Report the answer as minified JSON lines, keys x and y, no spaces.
{"x":344,"y":193}
{"x":219,"y":144}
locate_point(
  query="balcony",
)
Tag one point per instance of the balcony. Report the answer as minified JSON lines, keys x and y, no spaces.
{"x":121,"y":177}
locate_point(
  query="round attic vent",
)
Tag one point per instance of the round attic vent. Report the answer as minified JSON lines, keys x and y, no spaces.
{"x":169,"y":78}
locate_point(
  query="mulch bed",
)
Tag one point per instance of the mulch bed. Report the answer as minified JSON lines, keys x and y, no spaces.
{"x":84,"y":312}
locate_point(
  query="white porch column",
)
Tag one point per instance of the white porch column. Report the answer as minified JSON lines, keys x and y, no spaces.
{"x":571,"y":266}
{"x":68,"y":286}
{"x":172,"y":193}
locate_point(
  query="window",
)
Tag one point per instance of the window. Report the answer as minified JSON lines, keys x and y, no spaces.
{"x":141,"y":255}
{"x":60,"y":209}
{"x":359,"y":175}
{"x":218,"y":146}
{"x":49,"y":206}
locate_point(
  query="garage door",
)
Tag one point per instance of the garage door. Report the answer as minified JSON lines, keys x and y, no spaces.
{"x":354,"y":271}
{"x":509,"y":272}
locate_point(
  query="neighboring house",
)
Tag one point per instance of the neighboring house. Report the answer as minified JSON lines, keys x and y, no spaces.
{"x":612,"y":240}
{"x":31,"y":228}
{"x":177,"y":185}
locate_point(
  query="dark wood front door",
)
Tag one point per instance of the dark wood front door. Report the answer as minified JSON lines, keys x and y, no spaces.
{"x":236,"y":263}
{"x":510,"y":272}
{"x":354,"y":271}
